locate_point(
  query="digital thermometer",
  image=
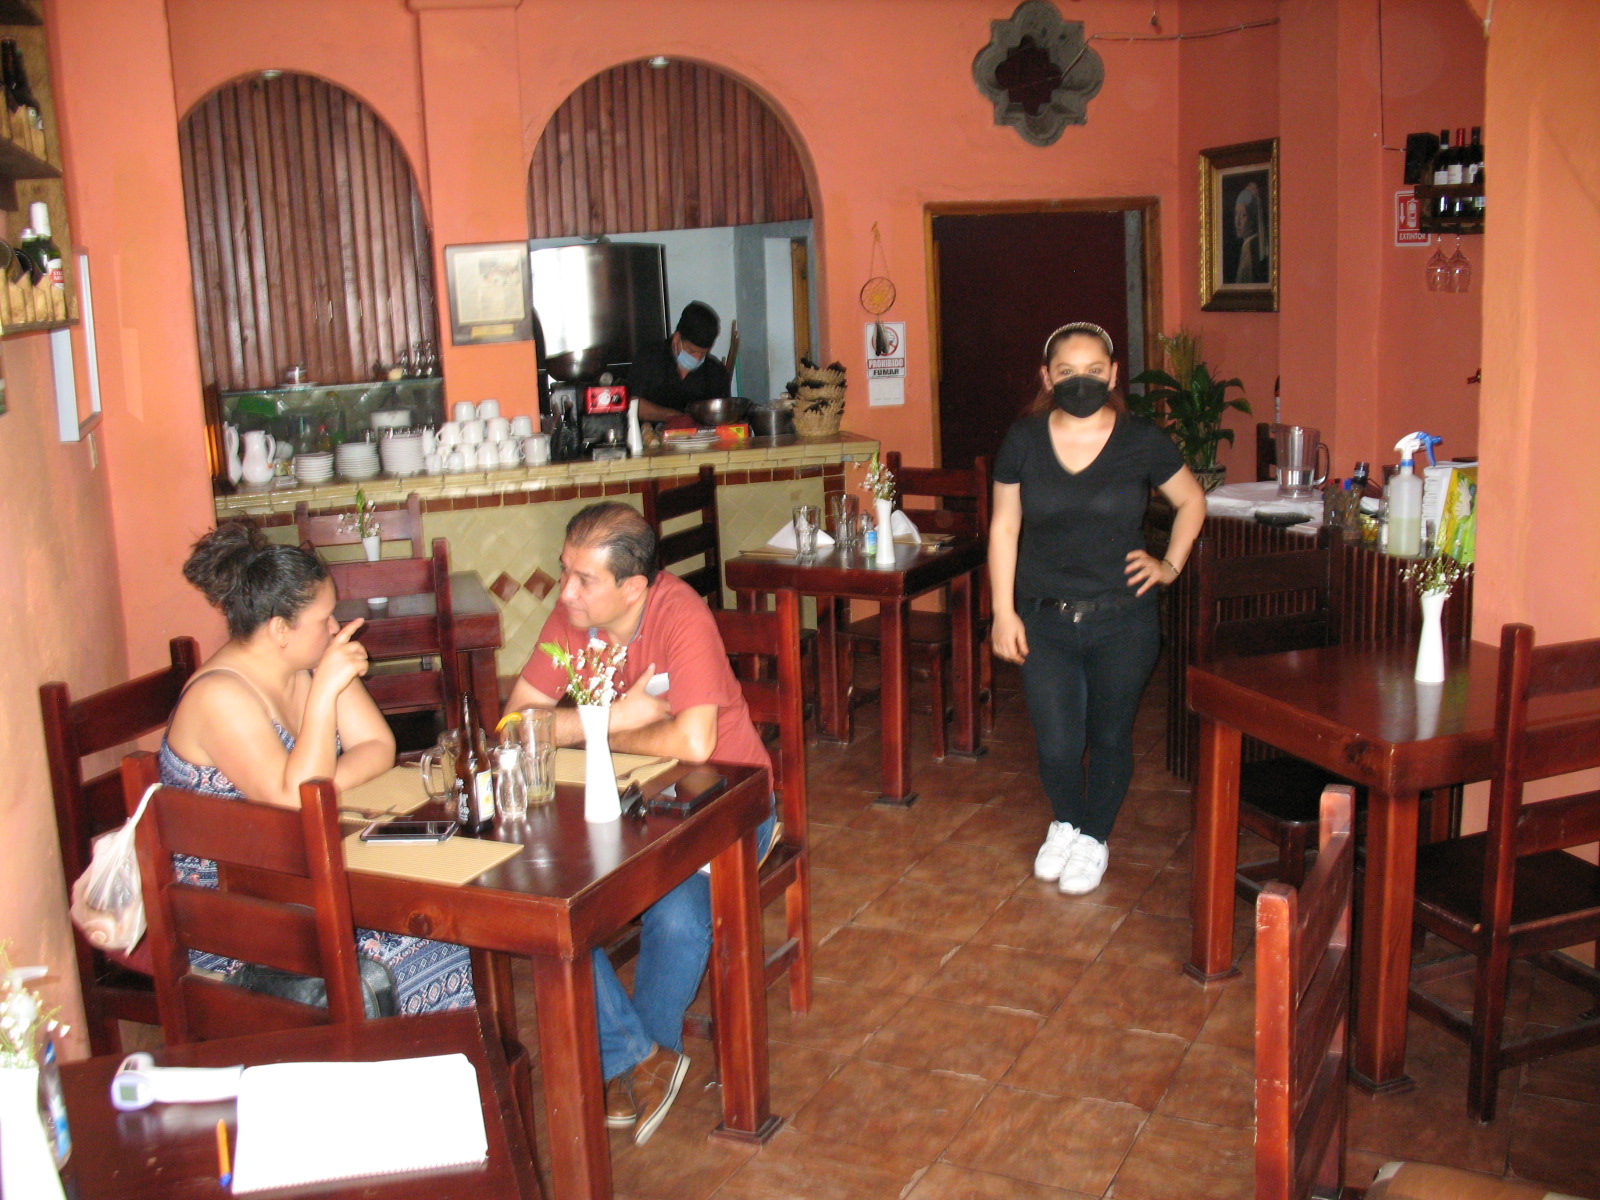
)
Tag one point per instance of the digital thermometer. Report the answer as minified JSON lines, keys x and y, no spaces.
{"x":139,"y":1083}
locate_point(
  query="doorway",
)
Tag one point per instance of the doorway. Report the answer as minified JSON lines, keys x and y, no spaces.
{"x":1005,"y":277}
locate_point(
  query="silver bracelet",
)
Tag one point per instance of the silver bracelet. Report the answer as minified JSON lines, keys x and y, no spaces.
{"x":1175,"y":571}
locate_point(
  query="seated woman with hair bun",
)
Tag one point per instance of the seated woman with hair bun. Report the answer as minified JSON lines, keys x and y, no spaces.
{"x":280,"y":703}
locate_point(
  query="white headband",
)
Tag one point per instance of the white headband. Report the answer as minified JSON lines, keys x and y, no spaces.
{"x":1083,"y":327}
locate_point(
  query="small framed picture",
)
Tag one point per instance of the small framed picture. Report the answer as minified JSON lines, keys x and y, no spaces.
{"x":1239,"y":227}
{"x":489,"y":293}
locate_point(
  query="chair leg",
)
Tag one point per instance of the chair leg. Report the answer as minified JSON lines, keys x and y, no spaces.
{"x":797,"y":916}
{"x":1292,"y":846}
{"x":1488,"y":1028}
{"x":986,"y":688}
{"x":936,"y":696}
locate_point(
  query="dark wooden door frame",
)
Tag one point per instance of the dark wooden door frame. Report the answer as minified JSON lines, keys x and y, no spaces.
{"x":1149,"y":209}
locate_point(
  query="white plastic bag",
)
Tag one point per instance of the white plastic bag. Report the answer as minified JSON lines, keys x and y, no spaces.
{"x":107,"y":903}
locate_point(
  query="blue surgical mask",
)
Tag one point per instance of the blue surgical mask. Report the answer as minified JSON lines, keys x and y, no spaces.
{"x":687,"y":361}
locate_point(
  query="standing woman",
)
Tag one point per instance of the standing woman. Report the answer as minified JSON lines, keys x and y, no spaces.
{"x":1074,"y":589}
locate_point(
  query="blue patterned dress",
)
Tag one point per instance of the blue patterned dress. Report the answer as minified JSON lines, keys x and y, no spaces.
{"x":429,"y":976}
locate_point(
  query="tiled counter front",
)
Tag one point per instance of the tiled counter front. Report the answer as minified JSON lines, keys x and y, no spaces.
{"x":507,"y":525}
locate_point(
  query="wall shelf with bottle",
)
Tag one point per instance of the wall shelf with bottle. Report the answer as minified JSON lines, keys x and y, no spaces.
{"x":1450,"y":207}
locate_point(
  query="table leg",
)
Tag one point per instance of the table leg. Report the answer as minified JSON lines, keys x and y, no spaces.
{"x":1387,"y":899}
{"x":1216,"y":853}
{"x":574,"y":1093}
{"x":894,"y":700}
{"x":833,"y":690}
{"x":740,"y":1020}
{"x":967,"y":739}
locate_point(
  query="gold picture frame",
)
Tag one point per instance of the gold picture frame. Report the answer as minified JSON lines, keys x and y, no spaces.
{"x":490,"y":293}
{"x":1239,"y":227}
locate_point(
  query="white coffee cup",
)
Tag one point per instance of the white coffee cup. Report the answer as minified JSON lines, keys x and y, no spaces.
{"x":488,"y":409}
{"x":510,"y":454}
{"x":469,"y":456}
{"x":464,"y":410}
{"x":522,"y":427}
{"x":450,"y":433}
{"x":454,"y":463}
{"x":432,"y":464}
{"x":496,"y":429}
{"x":430,"y":441}
{"x":536,"y":449}
{"x":471,"y":432}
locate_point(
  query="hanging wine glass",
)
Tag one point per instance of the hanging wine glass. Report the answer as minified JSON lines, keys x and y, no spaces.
{"x":1438,"y":271}
{"x":1460,"y":269}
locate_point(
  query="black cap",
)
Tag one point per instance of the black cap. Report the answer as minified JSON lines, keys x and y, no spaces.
{"x":699,"y":324}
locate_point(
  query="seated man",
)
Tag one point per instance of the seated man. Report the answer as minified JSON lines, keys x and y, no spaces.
{"x":610,"y":589}
{"x":674,"y":374}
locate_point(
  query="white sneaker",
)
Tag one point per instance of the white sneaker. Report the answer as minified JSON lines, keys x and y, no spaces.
{"x":1085,"y":866}
{"x":1052,"y":856}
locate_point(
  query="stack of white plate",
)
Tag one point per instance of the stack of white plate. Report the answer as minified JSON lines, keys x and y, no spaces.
{"x":401,"y":453}
{"x":315,"y":467}
{"x":692,"y":441}
{"x":357,"y":460}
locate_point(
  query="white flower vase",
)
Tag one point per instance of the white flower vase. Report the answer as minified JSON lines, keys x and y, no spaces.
{"x":883,"y":511}
{"x":373,"y":545}
{"x":1430,"y":646}
{"x":27,"y":1168}
{"x":600,"y":799}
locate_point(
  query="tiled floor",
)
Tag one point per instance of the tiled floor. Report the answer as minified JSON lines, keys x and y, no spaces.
{"x":976,"y":1034}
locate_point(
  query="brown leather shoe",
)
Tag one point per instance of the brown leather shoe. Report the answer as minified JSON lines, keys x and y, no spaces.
{"x":622,"y":1108}
{"x":655,"y":1083}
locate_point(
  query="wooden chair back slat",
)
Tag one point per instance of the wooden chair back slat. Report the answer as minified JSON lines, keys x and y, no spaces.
{"x":84,"y":808}
{"x":303,"y":846}
{"x":1564,"y":667}
{"x":1302,"y":1002}
{"x":335,"y":529}
{"x":219,"y":1010}
{"x":662,"y":504}
{"x":1265,"y":603}
{"x":965,"y":495}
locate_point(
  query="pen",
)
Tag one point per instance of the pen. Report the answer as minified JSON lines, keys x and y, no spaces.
{"x":224,"y":1171}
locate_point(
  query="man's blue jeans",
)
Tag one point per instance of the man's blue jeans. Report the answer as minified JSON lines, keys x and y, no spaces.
{"x":674,"y":946}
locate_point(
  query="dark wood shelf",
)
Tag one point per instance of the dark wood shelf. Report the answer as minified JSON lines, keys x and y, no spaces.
{"x":1427,"y":193}
{"x":19,"y":12}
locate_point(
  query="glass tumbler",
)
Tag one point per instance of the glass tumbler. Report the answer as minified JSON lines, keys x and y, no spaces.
{"x":535,"y":733}
{"x":806,"y":517}
{"x":510,"y":784}
{"x":845,"y":526}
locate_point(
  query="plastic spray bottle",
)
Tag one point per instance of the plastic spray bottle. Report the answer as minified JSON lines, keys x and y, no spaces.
{"x":1404,"y":493}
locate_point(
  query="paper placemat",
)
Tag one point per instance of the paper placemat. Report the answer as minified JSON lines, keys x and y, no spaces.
{"x":398,"y":790}
{"x":456,"y":861}
{"x":630,"y":768}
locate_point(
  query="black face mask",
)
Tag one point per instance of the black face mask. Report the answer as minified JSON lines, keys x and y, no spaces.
{"x":1081,"y":395}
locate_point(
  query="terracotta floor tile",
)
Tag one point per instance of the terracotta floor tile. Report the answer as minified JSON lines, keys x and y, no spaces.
{"x":968,"y":782}
{"x":887,"y":959}
{"x":936,"y":1035}
{"x":1124,"y":882}
{"x":1182,"y":1158}
{"x":842,"y":1016}
{"x":938,"y":910}
{"x":833,"y":805}
{"x":1159,"y":808}
{"x":856,"y":851}
{"x":798,"y":1166}
{"x":1127,"y":997}
{"x":1233,"y":1017}
{"x":844,"y":891}
{"x":1006,"y":829}
{"x":1133,"y":842}
{"x":1060,"y":1142}
{"x":1158,"y":943}
{"x":1054,"y":926}
{"x":797,"y":1073}
{"x":1215,"y":1084}
{"x":1071,"y":1058}
{"x":1168,"y":895}
{"x":1571,"y":1076}
{"x":1554,"y":1142}
{"x":945,"y":1182}
{"x":966,"y":865}
{"x":914,"y":1113}
{"x":1430,"y":1124}
{"x":679,"y":1162}
{"x":928,"y":820}
{"x":1000,"y":977}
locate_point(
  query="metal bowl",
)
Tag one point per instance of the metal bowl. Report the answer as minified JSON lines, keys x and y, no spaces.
{"x":719,"y":412}
{"x":769,"y":422}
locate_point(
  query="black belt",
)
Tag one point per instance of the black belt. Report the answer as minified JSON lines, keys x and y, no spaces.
{"x":1076,"y":609}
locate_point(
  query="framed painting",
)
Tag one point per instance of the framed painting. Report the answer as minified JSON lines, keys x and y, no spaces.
{"x":1239,"y":227}
{"x":489,"y":293}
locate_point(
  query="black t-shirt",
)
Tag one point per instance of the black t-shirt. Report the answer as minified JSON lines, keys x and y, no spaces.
{"x":655,"y":378}
{"x":1078,"y":527}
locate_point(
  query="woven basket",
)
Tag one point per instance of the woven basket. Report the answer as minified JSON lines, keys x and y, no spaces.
{"x":818,"y":424}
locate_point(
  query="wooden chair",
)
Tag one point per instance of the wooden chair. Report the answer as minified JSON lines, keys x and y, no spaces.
{"x":1512,"y":892}
{"x":74,"y":729}
{"x":663,"y":504}
{"x":330,"y":529}
{"x":1303,"y":974}
{"x":413,"y":650}
{"x":964,"y":497}
{"x":1262,"y":604}
{"x":1266,"y":452}
{"x":305,"y":927}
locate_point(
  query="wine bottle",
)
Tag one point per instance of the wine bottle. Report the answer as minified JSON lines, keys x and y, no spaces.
{"x":44,"y":251}
{"x":1440,"y":167}
{"x":8,"y":73}
{"x":28,"y":253}
{"x":1455,"y":166}
{"x":1475,"y":173}
{"x":474,"y":773}
{"x":21,"y":90}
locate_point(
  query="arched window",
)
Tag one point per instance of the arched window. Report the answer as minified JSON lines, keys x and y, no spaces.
{"x":306,"y":233}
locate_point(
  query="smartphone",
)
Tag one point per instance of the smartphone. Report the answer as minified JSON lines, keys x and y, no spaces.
{"x":408,"y":831}
{"x":695,"y":790}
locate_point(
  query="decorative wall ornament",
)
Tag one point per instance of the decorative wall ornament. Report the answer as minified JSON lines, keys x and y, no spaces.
{"x":1039,"y":72}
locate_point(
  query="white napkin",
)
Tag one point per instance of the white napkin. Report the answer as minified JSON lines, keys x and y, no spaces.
{"x":784,"y":538}
{"x":902,"y":528}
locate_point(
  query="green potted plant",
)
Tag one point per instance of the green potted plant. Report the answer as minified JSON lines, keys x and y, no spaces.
{"x":1189,"y":404}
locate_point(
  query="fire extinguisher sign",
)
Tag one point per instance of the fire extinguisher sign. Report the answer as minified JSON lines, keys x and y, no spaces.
{"x":1408,"y":220}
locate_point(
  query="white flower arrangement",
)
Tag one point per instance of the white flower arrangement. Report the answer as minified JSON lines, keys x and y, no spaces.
{"x":878,"y":480}
{"x":23,"y":1025}
{"x":592,"y":671}
{"x":363,"y":522}
{"x":1435,"y":573}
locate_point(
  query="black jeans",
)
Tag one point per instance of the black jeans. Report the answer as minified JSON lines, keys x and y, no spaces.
{"x":1083,"y":678}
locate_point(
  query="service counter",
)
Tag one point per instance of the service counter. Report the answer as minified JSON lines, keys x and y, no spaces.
{"x":507,"y":525}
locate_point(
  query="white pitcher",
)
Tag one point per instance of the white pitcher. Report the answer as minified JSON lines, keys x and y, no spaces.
{"x":230,"y":437}
{"x":259,"y":449}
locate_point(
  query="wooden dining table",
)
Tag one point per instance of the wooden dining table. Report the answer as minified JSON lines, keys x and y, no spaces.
{"x":1355,"y":711}
{"x":838,"y":576}
{"x":169,"y":1151}
{"x":477,"y":631}
{"x":571,"y":886}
